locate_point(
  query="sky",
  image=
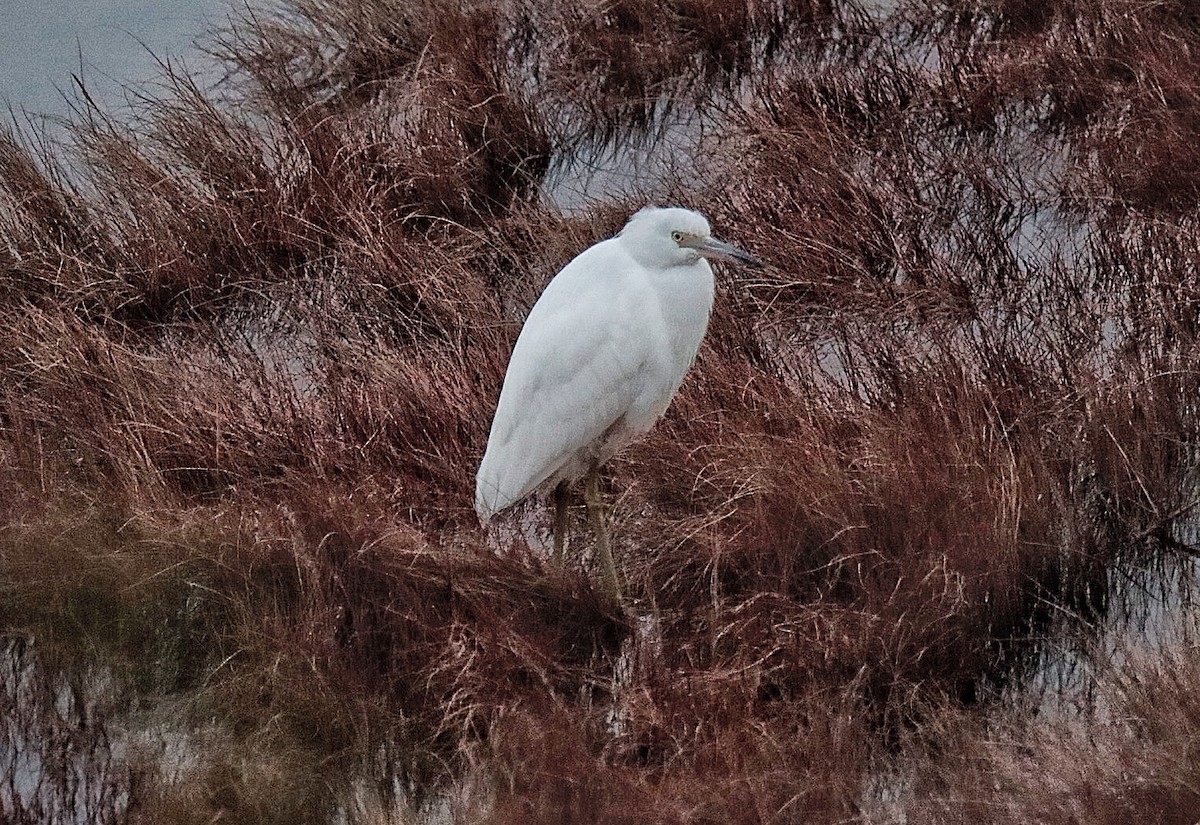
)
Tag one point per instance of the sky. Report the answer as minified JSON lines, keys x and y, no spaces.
{"x":111,"y":42}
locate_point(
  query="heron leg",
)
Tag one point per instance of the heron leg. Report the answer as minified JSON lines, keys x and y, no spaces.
{"x":598,"y":518}
{"x":561,"y":491}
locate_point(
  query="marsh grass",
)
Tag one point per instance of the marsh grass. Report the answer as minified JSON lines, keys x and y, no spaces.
{"x":252,"y":340}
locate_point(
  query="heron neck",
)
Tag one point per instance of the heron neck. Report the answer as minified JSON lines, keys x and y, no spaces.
{"x":686,"y":296}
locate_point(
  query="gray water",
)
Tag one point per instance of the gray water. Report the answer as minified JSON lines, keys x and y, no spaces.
{"x":110,"y":45}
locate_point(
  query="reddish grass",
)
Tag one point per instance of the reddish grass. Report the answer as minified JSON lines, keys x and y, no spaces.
{"x":252,"y":341}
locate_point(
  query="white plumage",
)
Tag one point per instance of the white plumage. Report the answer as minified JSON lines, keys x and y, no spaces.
{"x":601,"y":354}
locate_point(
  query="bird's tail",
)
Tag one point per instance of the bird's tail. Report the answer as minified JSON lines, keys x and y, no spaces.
{"x":487,"y":492}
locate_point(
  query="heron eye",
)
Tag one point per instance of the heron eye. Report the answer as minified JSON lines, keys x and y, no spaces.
{"x":677,"y":236}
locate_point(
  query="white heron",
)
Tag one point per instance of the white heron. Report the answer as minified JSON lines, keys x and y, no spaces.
{"x":598,"y":360}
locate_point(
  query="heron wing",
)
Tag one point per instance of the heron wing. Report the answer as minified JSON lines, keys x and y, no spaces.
{"x":573,"y":373}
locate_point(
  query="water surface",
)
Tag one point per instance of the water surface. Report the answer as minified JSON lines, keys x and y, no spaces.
{"x":109,"y":44}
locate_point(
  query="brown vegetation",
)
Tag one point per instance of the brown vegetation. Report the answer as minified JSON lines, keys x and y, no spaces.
{"x":252,"y":340}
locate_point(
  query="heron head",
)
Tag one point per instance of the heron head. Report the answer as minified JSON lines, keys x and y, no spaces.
{"x":666,"y":237}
